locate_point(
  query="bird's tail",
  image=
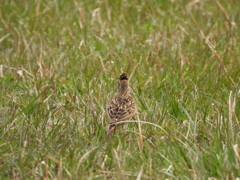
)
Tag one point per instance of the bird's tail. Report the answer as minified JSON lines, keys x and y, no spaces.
{"x":110,"y":128}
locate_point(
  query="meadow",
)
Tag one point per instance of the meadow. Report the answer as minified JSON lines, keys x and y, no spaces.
{"x":59,"y":65}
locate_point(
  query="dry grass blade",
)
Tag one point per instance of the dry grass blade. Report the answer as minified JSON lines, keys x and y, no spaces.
{"x":4,"y":37}
{"x":140,"y":138}
{"x":144,"y":122}
{"x":225,"y":13}
{"x":140,"y":173}
{"x":84,"y":156}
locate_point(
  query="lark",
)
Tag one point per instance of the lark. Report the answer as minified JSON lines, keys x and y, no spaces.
{"x":122,"y":107}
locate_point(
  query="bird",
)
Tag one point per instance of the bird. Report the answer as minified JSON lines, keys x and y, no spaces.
{"x":122,"y":107}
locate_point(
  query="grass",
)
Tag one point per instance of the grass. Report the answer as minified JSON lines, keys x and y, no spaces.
{"x":59,"y":64}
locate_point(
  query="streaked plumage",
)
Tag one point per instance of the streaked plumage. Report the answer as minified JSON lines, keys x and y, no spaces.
{"x":122,"y":107}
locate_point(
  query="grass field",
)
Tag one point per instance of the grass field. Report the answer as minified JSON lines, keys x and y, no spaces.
{"x":60,"y":62}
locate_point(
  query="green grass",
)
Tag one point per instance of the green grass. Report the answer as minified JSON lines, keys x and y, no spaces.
{"x":59,"y":64}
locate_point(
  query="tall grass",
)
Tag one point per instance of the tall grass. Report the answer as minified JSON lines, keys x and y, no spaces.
{"x":59,"y":64}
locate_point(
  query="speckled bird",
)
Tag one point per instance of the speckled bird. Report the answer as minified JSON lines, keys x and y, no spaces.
{"x":122,"y":107}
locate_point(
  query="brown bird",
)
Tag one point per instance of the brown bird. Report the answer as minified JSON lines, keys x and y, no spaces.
{"x":122,"y":107}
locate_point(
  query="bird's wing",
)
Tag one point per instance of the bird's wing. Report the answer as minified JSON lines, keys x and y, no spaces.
{"x":120,"y":109}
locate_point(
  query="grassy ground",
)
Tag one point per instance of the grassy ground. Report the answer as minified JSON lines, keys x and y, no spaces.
{"x":59,"y":64}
